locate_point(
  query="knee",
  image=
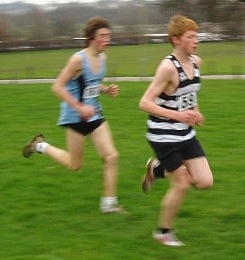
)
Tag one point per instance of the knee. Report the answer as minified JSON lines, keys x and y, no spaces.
{"x":182,"y":181}
{"x":184,"y":185}
{"x":74,"y":166}
{"x":204,"y":184}
{"x":207,"y":185}
{"x":111,"y":158}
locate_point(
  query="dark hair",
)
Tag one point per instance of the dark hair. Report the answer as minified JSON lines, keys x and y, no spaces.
{"x":94,"y":24}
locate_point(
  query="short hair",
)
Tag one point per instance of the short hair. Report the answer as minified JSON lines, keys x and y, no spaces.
{"x":94,"y":24}
{"x":178,"y":25}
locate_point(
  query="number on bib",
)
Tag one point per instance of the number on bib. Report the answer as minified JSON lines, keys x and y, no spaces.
{"x":91,"y":91}
{"x":187,"y":101}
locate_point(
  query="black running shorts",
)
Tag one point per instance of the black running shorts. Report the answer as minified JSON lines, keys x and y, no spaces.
{"x":172,"y":155}
{"x":84,"y":127}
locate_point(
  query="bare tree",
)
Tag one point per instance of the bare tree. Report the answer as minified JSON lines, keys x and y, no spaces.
{"x":38,"y":24}
{"x":3,"y":27}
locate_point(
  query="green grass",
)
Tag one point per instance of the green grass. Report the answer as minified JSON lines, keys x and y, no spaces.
{"x":139,"y":60}
{"x":48,"y":213}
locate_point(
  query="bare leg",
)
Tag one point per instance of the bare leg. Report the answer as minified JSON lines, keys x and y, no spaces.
{"x":102,"y":140}
{"x":200,"y":172}
{"x":197,"y":173}
{"x":170,"y":204}
{"x":71,"y":158}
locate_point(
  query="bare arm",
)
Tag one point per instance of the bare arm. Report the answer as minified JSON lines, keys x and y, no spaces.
{"x":164,"y":81}
{"x":158,"y":85}
{"x":199,"y":116}
{"x":112,"y":90}
{"x":70,"y":71}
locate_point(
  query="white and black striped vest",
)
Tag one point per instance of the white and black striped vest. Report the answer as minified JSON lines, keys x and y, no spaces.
{"x":166,"y":130}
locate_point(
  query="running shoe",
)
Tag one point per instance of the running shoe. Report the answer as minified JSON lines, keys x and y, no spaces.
{"x":149,"y":178}
{"x":113,"y":209}
{"x":30,"y":148}
{"x":168,"y":239}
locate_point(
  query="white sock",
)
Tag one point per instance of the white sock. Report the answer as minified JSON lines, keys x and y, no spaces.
{"x":107,"y":202}
{"x":40,"y":147}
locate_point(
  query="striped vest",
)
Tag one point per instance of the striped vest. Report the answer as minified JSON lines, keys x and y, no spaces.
{"x":165,"y":130}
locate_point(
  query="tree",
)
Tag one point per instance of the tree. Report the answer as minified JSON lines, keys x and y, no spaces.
{"x":3,"y":27}
{"x":39,"y":24}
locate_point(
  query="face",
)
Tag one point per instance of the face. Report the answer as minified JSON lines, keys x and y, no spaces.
{"x":188,"y":42}
{"x":102,"y":39}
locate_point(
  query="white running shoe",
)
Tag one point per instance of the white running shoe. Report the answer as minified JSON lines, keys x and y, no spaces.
{"x":168,"y":239}
{"x":112,"y":209}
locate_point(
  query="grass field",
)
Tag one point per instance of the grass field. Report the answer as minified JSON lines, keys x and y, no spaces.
{"x":48,"y":213}
{"x":139,"y":60}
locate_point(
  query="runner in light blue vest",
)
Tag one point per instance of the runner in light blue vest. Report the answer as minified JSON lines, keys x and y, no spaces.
{"x":78,"y":86}
{"x":85,"y":88}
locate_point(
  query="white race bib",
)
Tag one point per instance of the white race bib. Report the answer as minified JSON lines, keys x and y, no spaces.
{"x":91,"y":91}
{"x":187,"y":101}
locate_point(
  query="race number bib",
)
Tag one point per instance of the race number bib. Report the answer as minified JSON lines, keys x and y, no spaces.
{"x":187,"y":101}
{"x":91,"y":91}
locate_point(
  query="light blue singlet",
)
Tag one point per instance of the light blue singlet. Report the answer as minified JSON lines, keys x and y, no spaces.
{"x":85,"y":88}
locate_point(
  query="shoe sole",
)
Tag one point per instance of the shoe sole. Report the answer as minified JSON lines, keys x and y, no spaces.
{"x":115,"y":211}
{"x":146,"y":188}
{"x":168,"y":243}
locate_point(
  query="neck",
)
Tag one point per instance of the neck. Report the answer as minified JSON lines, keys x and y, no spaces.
{"x":92,"y":52}
{"x":182,"y":57}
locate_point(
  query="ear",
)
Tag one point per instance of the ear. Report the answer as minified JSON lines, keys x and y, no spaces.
{"x":175,"y":40}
